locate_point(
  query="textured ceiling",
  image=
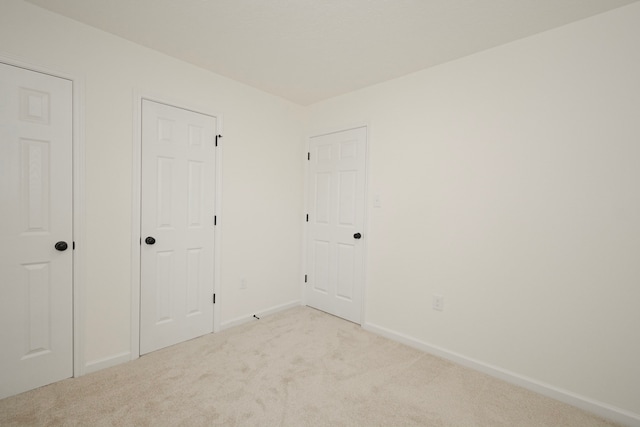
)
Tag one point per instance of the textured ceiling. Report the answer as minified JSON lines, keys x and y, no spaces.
{"x":310,"y":50}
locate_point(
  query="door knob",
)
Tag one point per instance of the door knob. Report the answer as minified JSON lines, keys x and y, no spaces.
{"x":149,"y":240}
{"x":357,"y":236}
{"x":61,"y":246}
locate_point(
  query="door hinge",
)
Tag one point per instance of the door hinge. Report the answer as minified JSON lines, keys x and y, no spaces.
{"x":307,"y":217}
{"x":214,"y":298}
{"x":305,"y":278}
{"x":309,"y":156}
{"x":215,"y":220}
{"x":218,"y":136}
{"x":73,"y":246}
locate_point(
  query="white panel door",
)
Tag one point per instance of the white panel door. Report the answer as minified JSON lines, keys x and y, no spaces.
{"x":36,"y":285}
{"x":335,"y":253}
{"x":177,"y":225}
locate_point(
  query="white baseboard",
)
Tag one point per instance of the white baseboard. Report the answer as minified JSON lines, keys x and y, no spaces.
{"x":107,"y":362}
{"x":266,"y":312}
{"x":116,"y":359}
{"x":599,"y":408}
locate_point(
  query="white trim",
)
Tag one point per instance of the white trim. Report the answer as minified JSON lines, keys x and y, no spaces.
{"x":78,"y":91}
{"x":366,"y":227}
{"x":217,"y":245}
{"x":135,"y":224}
{"x":79,"y":216}
{"x":262,"y":313}
{"x":591,"y":405}
{"x":107,"y":362}
{"x":305,"y":224}
{"x":138,"y":96}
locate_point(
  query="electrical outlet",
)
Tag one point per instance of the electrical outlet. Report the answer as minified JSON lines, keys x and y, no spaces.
{"x":438,"y":302}
{"x":243,"y":283}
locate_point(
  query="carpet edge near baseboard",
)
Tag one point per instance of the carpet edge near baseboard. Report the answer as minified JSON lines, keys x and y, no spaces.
{"x":602,"y":409}
{"x":249,"y":317}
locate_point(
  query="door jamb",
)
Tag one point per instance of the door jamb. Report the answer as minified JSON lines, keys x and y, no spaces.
{"x":136,"y":197}
{"x":78,"y":208}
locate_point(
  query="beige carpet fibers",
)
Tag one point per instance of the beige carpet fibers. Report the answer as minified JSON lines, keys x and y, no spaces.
{"x":300,"y":367}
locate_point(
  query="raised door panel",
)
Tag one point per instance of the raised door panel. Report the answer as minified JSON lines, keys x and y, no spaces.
{"x":345,"y":277}
{"x":194,"y":281}
{"x":164,"y":193}
{"x":164,"y":278}
{"x":195,"y":194}
{"x":347,"y":198}
{"x":322,"y":207}
{"x":36,"y":309}
{"x":35,"y":185}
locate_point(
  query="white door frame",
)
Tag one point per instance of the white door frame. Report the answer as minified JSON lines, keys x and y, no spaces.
{"x":78,"y":209}
{"x":366,"y":228}
{"x":136,"y":179}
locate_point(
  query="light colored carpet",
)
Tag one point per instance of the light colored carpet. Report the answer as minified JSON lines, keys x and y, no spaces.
{"x":300,"y":367}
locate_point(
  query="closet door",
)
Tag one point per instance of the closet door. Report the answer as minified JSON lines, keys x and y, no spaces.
{"x":177,"y":225}
{"x":337,"y":174}
{"x":36,"y":231}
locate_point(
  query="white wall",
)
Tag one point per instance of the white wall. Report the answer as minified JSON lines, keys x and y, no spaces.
{"x":262,"y":189}
{"x":509,"y":183}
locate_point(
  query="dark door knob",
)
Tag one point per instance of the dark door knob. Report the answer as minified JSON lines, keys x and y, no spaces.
{"x":357,"y":236}
{"x":149,"y":240}
{"x":61,"y":246}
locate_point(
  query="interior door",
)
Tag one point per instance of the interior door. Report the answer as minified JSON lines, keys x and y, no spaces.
{"x":36,"y":230}
{"x":335,"y":253}
{"x":177,"y":225}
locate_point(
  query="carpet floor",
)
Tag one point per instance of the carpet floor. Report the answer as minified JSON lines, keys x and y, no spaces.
{"x":300,"y":367}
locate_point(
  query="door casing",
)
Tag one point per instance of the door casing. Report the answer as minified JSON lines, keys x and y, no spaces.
{"x":136,"y":211}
